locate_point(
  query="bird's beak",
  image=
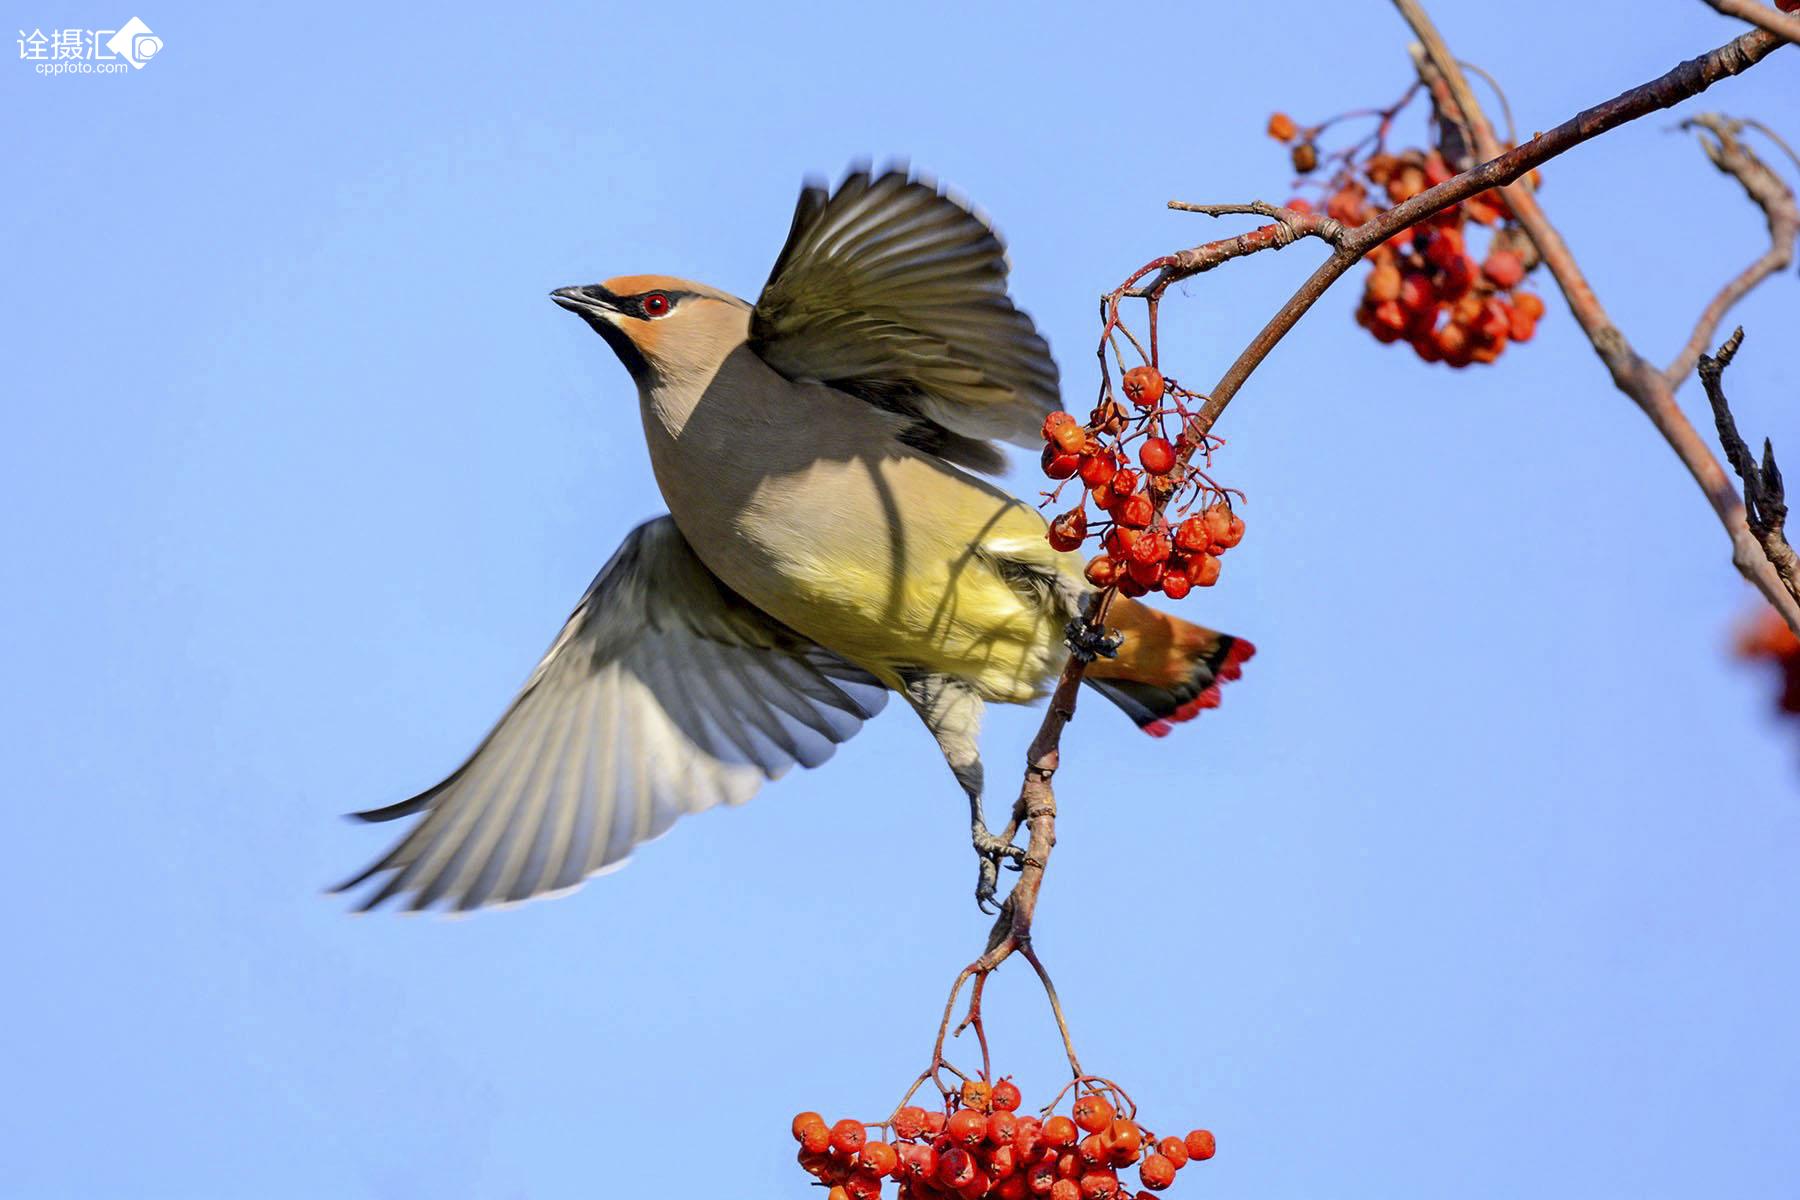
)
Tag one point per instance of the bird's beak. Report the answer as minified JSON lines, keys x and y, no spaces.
{"x":593,"y":303}
{"x":600,"y":309}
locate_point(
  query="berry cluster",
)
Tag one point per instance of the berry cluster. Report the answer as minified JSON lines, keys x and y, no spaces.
{"x":1144,"y":550}
{"x":1425,"y":285}
{"x":981,"y":1147}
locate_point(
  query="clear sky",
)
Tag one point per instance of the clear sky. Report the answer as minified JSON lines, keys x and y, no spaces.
{"x":1482,"y":883}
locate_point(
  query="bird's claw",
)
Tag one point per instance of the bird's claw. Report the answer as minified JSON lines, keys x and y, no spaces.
{"x":993,"y":850}
{"x":1088,"y":642}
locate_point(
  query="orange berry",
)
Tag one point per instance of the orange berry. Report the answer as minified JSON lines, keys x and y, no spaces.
{"x":1529,"y":303}
{"x":1146,"y":575}
{"x":1234,"y":533}
{"x":1002,"y":1161}
{"x":1385,"y":283}
{"x":1059,"y":1132}
{"x":837,"y":1193}
{"x":1123,"y":1141}
{"x":1157,"y":455}
{"x":1200,"y":1145}
{"x":1065,"y":1189}
{"x":803,"y":1120}
{"x":1176,"y":584}
{"x":1282,"y":127}
{"x":1099,"y":1185}
{"x":1092,"y":1113}
{"x":1056,"y":422}
{"x":863,"y":1184}
{"x":848,"y":1136}
{"x":815,"y":1139}
{"x":1144,"y":386}
{"x":966,"y":1127}
{"x":880,"y":1157}
{"x":1007,"y":1097}
{"x":1151,"y":547}
{"x":1091,"y":1152}
{"x":1175,"y":1150}
{"x":935,"y":1122}
{"x":1204,"y":571}
{"x":1157,"y":1172}
{"x":1102,"y":571}
{"x":814,"y":1162}
{"x":1027,"y":1138}
{"x":909,"y":1122}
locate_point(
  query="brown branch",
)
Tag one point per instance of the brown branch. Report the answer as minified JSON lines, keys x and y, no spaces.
{"x":1631,"y":372}
{"x":1770,"y":193}
{"x":1035,"y":808}
{"x":1777,"y":23}
{"x":1765,"y":500}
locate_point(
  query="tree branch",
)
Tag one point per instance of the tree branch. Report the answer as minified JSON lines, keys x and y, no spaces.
{"x":1777,"y":23}
{"x":1035,"y":807}
{"x":1765,"y":500}
{"x":1631,"y":372}
{"x":1771,"y":194}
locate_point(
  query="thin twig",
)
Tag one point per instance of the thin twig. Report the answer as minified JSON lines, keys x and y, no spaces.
{"x":1771,"y":194}
{"x":1765,"y":501}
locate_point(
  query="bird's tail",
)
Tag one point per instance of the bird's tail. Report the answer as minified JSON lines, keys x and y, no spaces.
{"x":1168,"y":670}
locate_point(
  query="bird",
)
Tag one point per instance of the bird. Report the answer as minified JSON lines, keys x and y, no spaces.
{"x":833,"y":538}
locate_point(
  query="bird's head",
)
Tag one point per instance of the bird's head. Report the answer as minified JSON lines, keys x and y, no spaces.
{"x":662,"y":328}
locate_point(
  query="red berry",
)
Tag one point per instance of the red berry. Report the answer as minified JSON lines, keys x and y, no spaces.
{"x":1175,"y":1150}
{"x":848,"y":1136}
{"x":1068,"y":531}
{"x":815,"y":1139}
{"x":1151,"y":547}
{"x":880,"y":1157}
{"x":1137,"y":511}
{"x":955,"y":1167}
{"x":1059,"y":1132}
{"x":967,"y":1127}
{"x":909,"y":1122}
{"x":1123,"y":1141}
{"x":1063,"y":431}
{"x":1092,"y":1113}
{"x":1065,"y":1189}
{"x":1175,"y":584}
{"x":1504,"y":269}
{"x":1099,"y":1185}
{"x":1001,"y":1126}
{"x":1096,"y":470}
{"x":863,"y":1184}
{"x":1028,"y":1138}
{"x":804,"y":1120}
{"x":1157,"y":1172}
{"x":1147,"y":575}
{"x":1200,"y":1145}
{"x":1117,"y":543}
{"x":1144,"y":386}
{"x":935,"y":1122}
{"x":1192,"y":537}
{"x":1058,"y":464}
{"x":1102,"y":571}
{"x":1124,"y":482}
{"x":1157,"y":456}
{"x":1040,"y":1176}
{"x":1204,"y":571}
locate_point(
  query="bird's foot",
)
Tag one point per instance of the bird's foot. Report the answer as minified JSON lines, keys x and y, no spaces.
{"x":993,"y":850}
{"x":1088,"y":643}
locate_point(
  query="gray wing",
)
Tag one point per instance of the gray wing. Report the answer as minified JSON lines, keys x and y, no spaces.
{"x":893,"y":291}
{"x":664,"y":694}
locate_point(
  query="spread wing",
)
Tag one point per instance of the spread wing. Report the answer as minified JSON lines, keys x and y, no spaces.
{"x":664,"y":694}
{"x":893,"y":291}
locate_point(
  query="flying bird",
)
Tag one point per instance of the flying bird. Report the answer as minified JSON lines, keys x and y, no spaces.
{"x":831,"y":540}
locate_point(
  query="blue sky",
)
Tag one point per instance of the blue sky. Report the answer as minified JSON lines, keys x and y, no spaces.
{"x":1481,"y":884}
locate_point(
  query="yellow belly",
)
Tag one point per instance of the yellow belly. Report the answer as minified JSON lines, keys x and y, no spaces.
{"x":873,"y":550}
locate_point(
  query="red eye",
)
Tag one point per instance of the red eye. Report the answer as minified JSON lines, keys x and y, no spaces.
{"x":656,"y":305}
